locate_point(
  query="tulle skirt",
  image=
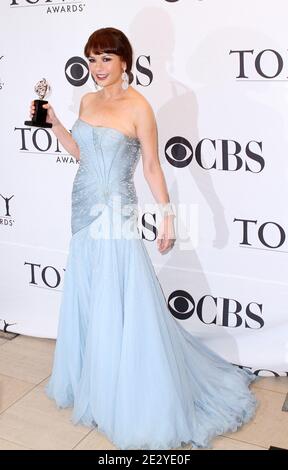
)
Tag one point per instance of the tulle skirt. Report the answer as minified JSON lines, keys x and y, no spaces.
{"x":127,"y":366}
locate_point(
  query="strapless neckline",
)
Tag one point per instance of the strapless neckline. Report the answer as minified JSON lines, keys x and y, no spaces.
{"x":110,"y":128}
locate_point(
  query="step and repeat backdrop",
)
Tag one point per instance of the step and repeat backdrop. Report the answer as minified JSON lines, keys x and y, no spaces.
{"x":216,"y":75}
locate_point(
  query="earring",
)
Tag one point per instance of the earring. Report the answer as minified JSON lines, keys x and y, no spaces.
{"x":95,"y":83}
{"x":125,"y":80}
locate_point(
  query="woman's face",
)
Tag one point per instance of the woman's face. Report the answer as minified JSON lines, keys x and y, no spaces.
{"x":106,"y":68}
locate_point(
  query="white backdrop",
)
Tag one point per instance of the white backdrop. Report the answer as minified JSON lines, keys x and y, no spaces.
{"x":215,"y":73}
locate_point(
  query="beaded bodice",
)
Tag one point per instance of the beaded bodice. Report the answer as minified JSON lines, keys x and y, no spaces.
{"x":108,"y":159}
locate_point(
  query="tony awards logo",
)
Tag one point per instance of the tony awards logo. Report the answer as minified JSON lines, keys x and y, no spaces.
{"x":41,"y":88}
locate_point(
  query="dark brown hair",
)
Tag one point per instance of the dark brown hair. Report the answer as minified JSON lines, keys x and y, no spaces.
{"x":110,"y":40}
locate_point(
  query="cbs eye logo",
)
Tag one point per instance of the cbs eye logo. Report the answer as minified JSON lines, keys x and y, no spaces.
{"x":179,"y":152}
{"x":181,"y":304}
{"x":77,"y":71}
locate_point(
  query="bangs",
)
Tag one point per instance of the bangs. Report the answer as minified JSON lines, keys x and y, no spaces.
{"x":101,"y":43}
{"x":99,"y":49}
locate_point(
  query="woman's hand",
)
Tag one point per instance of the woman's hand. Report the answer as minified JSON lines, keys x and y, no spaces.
{"x":51,"y":116}
{"x":166,"y":234}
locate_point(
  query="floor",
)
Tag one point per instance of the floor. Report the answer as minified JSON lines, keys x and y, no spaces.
{"x":29,"y":420}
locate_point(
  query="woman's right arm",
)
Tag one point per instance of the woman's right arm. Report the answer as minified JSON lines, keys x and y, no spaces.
{"x":66,"y":140}
{"x":64,"y":136}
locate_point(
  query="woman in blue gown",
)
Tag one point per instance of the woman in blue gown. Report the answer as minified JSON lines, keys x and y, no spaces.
{"x":122,"y":361}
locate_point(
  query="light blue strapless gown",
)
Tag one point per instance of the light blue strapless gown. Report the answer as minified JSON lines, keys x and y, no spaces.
{"x":123,"y":362}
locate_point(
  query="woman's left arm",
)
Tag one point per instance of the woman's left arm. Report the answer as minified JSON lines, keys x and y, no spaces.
{"x":148,"y":135}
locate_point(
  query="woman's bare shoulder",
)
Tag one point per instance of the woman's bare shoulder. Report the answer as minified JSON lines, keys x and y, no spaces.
{"x":88,"y":97}
{"x":140,"y":102}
